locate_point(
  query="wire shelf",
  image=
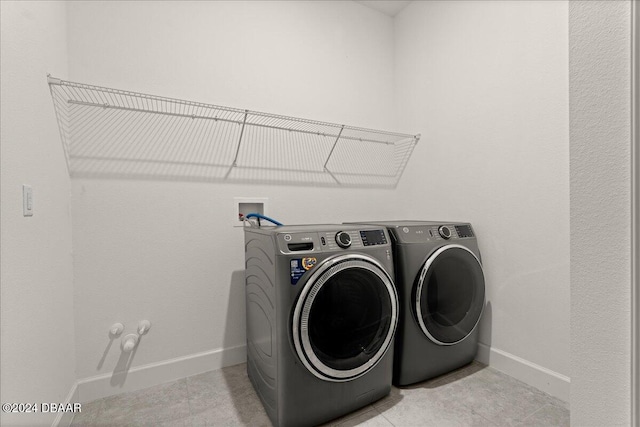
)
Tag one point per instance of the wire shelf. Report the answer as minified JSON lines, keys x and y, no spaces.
{"x":115,"y":133}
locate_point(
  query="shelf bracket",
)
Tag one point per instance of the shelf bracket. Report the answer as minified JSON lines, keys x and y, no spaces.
{"x":65,"y":144}
{"x":329,"y":156}
{"x":235,"y":159}
{"x":52,"y":80}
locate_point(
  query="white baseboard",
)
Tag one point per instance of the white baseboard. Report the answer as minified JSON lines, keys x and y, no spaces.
{"x":64,"y":418}
{"x":89,"y":389}
{"x":543,"y":379}
{"x":98,"y":387}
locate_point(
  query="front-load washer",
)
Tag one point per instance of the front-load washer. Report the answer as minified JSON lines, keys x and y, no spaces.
{"x":322,"y":311}
{"x":441,"y":287}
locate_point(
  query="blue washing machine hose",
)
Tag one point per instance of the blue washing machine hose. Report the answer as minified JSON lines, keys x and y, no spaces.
{"x":260,"y":216}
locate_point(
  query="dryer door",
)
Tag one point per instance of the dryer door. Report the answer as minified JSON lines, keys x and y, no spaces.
{"x":345,"y":317}
{"x":449,"y":295}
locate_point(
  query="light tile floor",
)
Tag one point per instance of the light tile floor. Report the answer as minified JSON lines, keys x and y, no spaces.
{"x":475,"y":395}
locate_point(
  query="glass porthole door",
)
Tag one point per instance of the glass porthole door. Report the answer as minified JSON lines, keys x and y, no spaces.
{"x":449,"y":294}
{"x":345,"y":317}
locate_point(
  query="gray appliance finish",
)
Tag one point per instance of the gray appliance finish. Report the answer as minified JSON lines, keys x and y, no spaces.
{"x":441,"y":287}
{"x":322,"y":311}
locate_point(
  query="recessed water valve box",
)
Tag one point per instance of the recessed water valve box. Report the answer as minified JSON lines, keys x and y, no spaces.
{"x":247,"y":205}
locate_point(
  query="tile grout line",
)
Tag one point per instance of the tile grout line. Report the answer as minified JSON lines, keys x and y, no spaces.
{"x":534,"y":412}
{"x":489,"y":422}
{"x":189,"y":401}
{"x":385,"y":418}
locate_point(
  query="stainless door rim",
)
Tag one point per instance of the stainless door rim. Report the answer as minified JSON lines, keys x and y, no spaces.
{"x":423,"y":273}
{"x":302,"y":310}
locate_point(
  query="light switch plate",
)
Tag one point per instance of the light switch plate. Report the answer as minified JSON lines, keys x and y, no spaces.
{"x":27,"y":200}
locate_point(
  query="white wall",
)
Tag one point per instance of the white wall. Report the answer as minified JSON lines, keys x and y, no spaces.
{"x":486,"y":83}
{"x":166,"y":251}
{"x":37,"y":329}
{"x":599,"y":70}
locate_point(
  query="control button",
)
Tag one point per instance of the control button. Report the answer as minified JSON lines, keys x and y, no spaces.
{"x":343,"y":239}
{"x":405,"y":229}
{"x":444,"y":231}
{"x":287,"y":237}
{"x":324,"y":242}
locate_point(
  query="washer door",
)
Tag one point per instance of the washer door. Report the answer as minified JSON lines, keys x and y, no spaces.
{"x":449,"y":295}
{"x":345,"y":317}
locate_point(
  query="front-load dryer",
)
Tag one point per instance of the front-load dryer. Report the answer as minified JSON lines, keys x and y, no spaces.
{"x":441,"y":287}
{"x":322,"y":310}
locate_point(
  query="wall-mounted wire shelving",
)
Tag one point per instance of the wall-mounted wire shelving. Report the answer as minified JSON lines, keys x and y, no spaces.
{"x":115,"y":133}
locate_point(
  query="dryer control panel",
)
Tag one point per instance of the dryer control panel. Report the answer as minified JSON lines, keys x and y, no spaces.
{"x":433,"y":232}
{"x":464,"y":231}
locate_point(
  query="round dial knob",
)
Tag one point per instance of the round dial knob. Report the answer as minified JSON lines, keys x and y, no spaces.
{"x":444,"y":231}
{"x":343,"y":239}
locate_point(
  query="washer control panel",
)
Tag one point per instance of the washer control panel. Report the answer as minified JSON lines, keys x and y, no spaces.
{"x":335,"y":240}
{"x":354,"y":239}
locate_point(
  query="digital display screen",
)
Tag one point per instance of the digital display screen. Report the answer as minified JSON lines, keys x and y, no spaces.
{"x":373,"y":237}
{"x":464,"y":231}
